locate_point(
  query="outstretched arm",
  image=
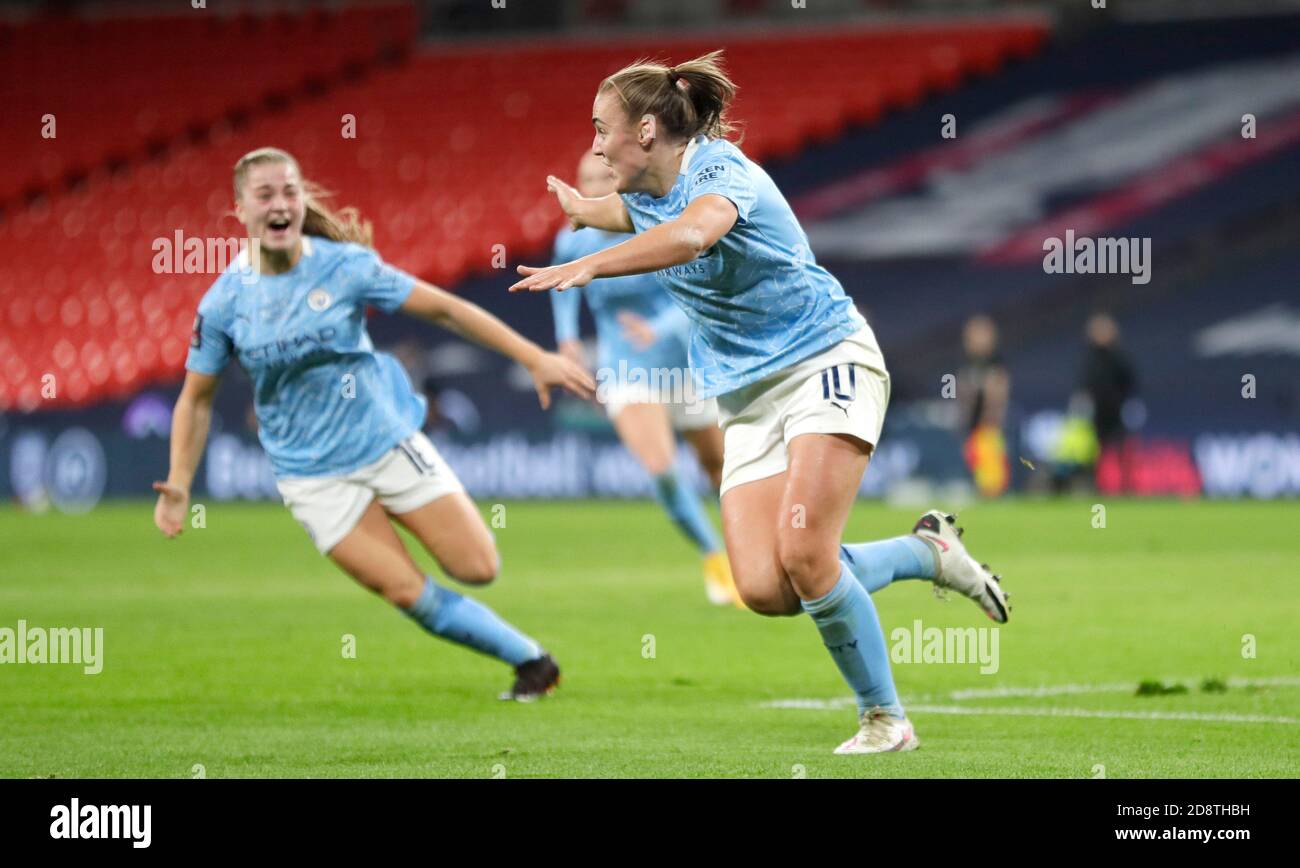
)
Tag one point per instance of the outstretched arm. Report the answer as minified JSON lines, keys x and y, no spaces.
{"x":564,"y":308}
{"x":603,"y":212}
{"x":191,"y":419}
{"x":678,"y":241}
{"x":474,"y":323}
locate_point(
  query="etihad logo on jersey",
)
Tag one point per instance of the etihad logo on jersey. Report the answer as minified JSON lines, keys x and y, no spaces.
{"x":694,"y":267}
{"x":687,"y":270}
{"x":293,"y":347}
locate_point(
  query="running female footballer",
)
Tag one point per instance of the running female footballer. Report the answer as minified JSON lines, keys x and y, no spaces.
{"x":339,"y":420}
{"x":799,"y":378}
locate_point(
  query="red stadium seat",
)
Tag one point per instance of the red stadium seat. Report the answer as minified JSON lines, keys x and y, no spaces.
{"x":165,"y":76}
{"x":452,"y":149}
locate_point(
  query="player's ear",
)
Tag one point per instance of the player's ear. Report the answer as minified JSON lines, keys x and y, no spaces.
{"x":646,"y":130}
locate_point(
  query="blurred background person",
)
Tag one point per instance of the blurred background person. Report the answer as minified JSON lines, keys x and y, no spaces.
{"x":640,"y":330}
{"x":984,"y":387}
{"x":1110,"y":381}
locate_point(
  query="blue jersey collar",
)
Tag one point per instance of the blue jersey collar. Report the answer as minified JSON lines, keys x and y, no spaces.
{"x":689,"y":154}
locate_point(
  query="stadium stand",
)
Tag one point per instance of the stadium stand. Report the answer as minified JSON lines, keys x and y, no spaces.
{"x":166,"y":77}
{"x":80,"y":292}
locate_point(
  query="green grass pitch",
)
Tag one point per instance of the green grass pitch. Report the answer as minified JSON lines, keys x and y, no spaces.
{"x":224,"y":650}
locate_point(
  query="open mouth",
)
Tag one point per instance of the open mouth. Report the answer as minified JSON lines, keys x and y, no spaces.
{"x":278,"y":227}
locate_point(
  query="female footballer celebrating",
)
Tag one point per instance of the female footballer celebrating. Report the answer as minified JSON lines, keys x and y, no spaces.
{"x":340,"y":421}
{"x":640,"y":331}
{"x":800,"y":381}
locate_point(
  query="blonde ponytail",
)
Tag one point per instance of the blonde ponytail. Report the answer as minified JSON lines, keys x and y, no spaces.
{"x":687,"y":99}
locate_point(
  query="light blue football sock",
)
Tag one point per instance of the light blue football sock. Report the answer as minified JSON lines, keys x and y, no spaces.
{"x":850,"y":629}
{"x":463,"y":620}
{"x":876,"y":564}
{"x":684,"y":507}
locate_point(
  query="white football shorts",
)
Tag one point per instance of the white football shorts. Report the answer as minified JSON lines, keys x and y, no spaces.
{"x":842,"y":390}
{"x":407,"y":477}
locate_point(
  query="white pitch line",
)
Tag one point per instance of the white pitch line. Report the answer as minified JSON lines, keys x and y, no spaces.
{"x":1126,"y":687}
{"x":842,"y":702}
{"x":1109,"y":715}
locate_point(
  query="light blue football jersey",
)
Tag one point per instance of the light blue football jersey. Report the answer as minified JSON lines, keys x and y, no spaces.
{"x":642,"y":294}
{"x":758,"y":299}
{"x":327,"y":403}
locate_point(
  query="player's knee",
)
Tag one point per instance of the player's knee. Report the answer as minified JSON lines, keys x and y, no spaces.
{"x":766,"y":592}
{"x":479,"y":568}
{"x":807,"y":560}
{"x":770,"y":604}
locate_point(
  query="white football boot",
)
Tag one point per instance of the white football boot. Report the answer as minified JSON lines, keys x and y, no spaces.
{"x":958,"y":570}
{"x":881,"y":733}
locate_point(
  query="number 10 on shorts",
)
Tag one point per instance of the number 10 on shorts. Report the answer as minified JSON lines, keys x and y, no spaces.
{"x":839,"y":383}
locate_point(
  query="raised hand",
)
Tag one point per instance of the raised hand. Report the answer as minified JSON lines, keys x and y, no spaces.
{"x":560,"y":277}
{"x":553,"y":369}
{"x":568,"y":199}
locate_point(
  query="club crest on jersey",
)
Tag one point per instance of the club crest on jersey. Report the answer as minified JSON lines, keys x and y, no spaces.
{"x":318,"y":299}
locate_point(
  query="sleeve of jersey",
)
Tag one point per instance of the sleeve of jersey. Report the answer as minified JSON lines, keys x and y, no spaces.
{"x":565,"y":305}
{"x":210,"y":344}
{"x":640,"y":220}
{"x":725,"y":175}
{"x":381,"y":284}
